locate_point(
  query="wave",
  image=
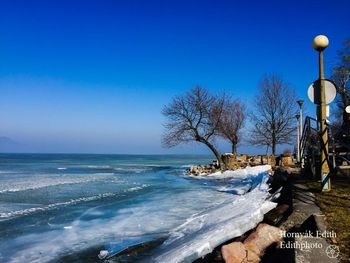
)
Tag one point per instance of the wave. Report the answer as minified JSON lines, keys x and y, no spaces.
{"x":145,"y":168}
{"x":8,"y":172}
{"x":25,"y":185}
{"x":131,"y":169}
{"x":70,"y":202}
{"x":98,"y":166}
{"x":92,"y":167}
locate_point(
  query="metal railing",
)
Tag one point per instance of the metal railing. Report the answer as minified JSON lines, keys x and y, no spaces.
{"x":310,"y":146}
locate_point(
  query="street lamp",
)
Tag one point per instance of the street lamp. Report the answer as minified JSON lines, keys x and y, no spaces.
{"x":297,"y":116}
{"x":320,"y":43}
{"x":300,"y":159}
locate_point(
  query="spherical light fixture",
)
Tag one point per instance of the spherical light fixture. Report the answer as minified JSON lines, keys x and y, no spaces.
{"x":347,"y":109}
{"x":320,"y":42}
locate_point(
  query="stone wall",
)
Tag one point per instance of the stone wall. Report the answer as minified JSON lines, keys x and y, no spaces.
{"x":234,"y":162}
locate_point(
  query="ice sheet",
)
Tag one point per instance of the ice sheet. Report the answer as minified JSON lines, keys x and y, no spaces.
{"x":202,"y":233}
{"x":196,"y":221}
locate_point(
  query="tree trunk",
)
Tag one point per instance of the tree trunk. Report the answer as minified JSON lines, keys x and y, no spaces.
{"x":215,"y":152}
{"x":234,"y":148}
{"x":273,"y":147}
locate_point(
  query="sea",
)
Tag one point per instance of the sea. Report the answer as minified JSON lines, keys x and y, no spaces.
{"x":122,"y":208}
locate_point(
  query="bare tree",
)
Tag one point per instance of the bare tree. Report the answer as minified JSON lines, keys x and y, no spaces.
{"x":273,"y":118}
{"x":232,"y":121}
{"x":193,"y":117}
{"x":341,"y":76}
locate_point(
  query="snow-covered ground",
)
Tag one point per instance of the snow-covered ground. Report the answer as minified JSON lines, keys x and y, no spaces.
{"x":238,"y":173}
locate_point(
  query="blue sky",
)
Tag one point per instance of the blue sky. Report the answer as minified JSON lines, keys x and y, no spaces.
{"x":93,"y":76}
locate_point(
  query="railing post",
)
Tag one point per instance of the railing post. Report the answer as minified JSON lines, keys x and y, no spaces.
{"x":333,"y":150}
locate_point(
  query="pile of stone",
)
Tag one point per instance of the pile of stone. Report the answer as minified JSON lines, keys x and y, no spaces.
{"x":253,"y":247}
{"x":242,"y":161}
{"x":285,"y":159}
{"x":233,"y":162}
{"x":204,"y":169}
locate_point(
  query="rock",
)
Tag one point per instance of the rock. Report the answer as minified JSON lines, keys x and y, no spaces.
{"x":251,"y":257}
{"x":230,"y":161}
{"x":257,"y":159}
{"x":268,"y":159}
{"x":271,"y":160}
{"x":242,"y":157}
{"x":236,"y":252}
{"x":202,"y":170}
{"x":286,"y":161}
{"x":263,"y":237}
{"x":234,"y":162}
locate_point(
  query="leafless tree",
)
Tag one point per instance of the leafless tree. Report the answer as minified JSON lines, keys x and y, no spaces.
{"x":193,"y":117}
{"x":273,"y":118}
{"x":232,"y":121}
{"x":341,"y":76}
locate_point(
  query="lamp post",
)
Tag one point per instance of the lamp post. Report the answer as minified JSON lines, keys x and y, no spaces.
{"x":300,"y":103}
{"x":320,"y":43}
{"x":297,"y":116}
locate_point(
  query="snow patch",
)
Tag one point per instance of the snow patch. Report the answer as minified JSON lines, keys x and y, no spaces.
{"x":239,"y":173}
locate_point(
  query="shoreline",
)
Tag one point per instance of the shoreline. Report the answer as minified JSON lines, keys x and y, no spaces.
{"x":304,"y":227}
{"x":214,"y":181}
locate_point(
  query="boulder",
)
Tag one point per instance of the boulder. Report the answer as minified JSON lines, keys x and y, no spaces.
{"x":263,"y":237}
{"x":271,"y":160}
{"x":242,"y":157}
{"x":268,"y":159}
{"x":286,"y":161}
{"x":230,"y":161}
{"x":202,"y":170}
{"x":236,"y":252}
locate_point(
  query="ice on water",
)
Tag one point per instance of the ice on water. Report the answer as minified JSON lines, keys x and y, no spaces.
{"x":205,"y":231}
{"x":193,"y":216}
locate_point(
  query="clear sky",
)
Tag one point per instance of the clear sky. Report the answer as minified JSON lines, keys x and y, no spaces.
{"x":93,"y":76}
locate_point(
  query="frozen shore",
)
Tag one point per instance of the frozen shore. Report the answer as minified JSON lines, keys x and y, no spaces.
{"x":114,"y":207}
{"x":205,"y":231}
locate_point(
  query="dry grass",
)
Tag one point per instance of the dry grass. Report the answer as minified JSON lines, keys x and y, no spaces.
{"x":336,"y":207}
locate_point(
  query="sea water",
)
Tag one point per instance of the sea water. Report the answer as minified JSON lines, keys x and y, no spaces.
{"x":123,"y":208}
